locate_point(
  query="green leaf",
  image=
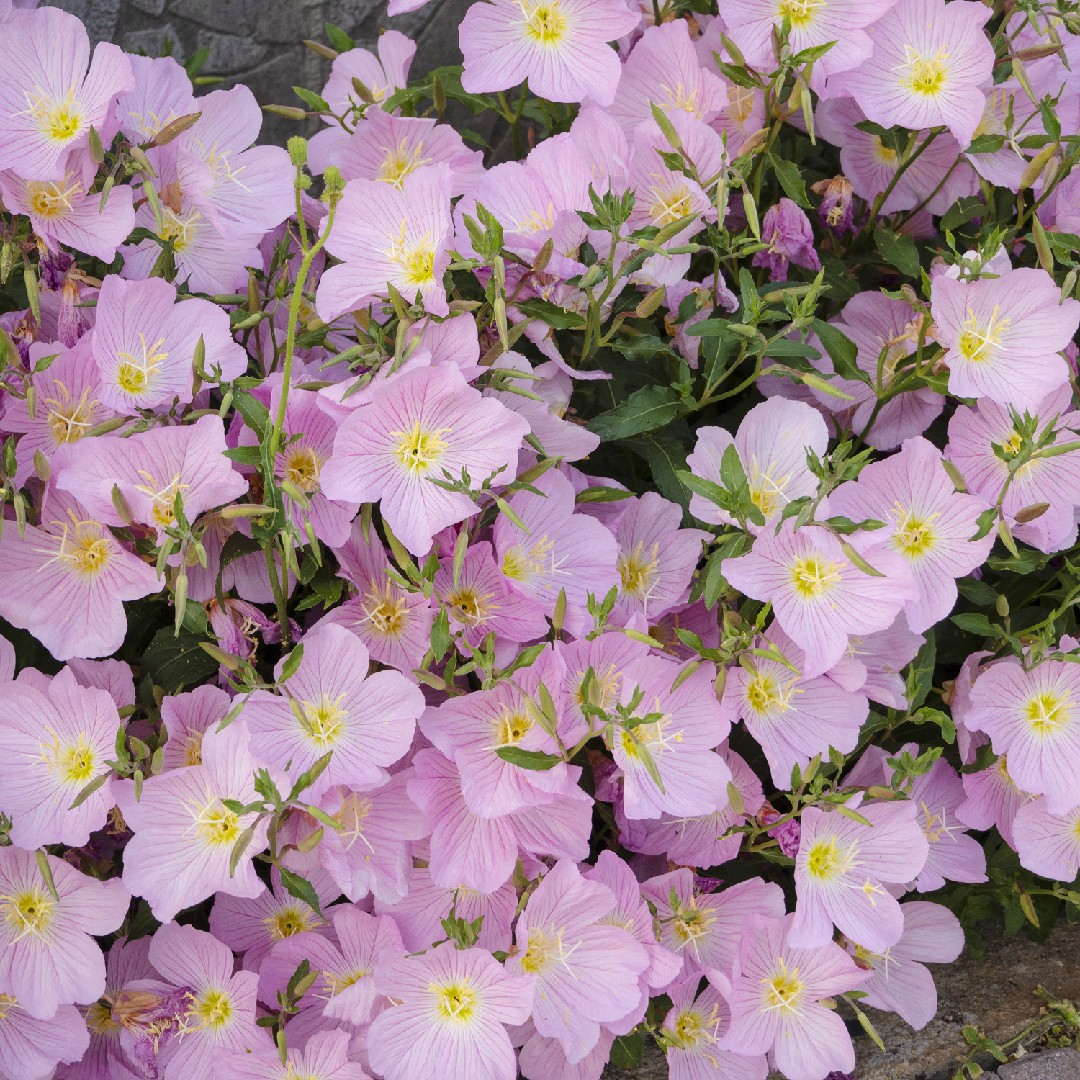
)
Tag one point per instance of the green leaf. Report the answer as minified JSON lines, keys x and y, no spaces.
{"x":176,"y":663}
{"x":89,"y":790}
{"x":535,"y":760}
{"x":338,"y":38}
{"x":302,"y":889}
{"x":841,"y":349}
{"x":312,"y":100}
{"x":976,"y":623}
{"x":787,"y":172}
{"x":628,"y":1050}
{"x":898,"y":251}
{"x":552,"y":314}
{"x":646,"y":409}
{"x":603,"y":494}
{"x":42,"y":857}
{"x":292,"y":662}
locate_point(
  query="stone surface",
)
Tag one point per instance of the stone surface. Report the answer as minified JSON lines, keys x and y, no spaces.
{"x":1062,"y":1064}
{"x":259,"y":43}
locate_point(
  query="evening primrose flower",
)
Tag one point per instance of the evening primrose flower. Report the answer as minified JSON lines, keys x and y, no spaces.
{"x":693,"y":1034}
{"x":930,"y":65}
{"x":927,"y":521}
{"x":48,"y":100}
{"x":53,"y":743}
{"x":325,"y":1056}
{"x":586,"y":970}
{"x":423,"y":422}
{"x":776,"y":1001}
{"x":449,"y":1017}
{"x":33,"y":1047}
{"x":1048,"y":844}
{"x":840,"y":868}
{"x":48,"y":956}
{"x":220,"y":1005}
{"x":185,"y":834}
{"x":1033,"y":717}
{"x":389,"y":234}
{"x":560,"y":46}
{"x":1004,"y":335}
{"x":144,"y":343}
{"x":66,"y":579}
{"x":331,"y":705}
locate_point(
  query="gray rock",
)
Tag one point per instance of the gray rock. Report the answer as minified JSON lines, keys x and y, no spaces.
{"x":151,"y":7}
{"x":229,"y":54}
{"x":1061,"y":1064}
{"x":229,"y":16}
{"x":100,"y":16}
{"x":155,"y":41}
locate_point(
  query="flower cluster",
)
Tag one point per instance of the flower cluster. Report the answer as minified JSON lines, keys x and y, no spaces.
{"x":465,"y":614}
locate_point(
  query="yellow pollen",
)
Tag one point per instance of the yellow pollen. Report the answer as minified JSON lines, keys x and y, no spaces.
{"x":302,"y":468}
{"x":212,"y":1009}
{"x":924,"y":75}
{"x":339,"y":982}
{"x":99,"y":1019}
{"x":826,"y":860}
{"x":73,"y":762}
{"x":678,"y":97}
{"x":783,"y":988}
{"x":416,"y":261}
{"x":84,"y":548}
{"x":978,"y":341}
{"x":164,"y":500}
{"x":637,"y":571}
{"x":1011,"y":445}
{"x":399,"y":162}
{"x":545,"y":22}
{"x":58,"y":119}
{"x":545,"y":950}
{"x":512,"y":727}
{"x":7,"y":1003}
{"x":385,"y":610}
{"x":180,"y":231}
{"x":1047,"y":712}
{"x":217,"y":824}
{"x":52,"y":199}
{"x":669,"y":204}
{"x":324,"y":720}
{"x":420,"y":449}
{"x":69,"y":420}
{"x":690,"y":925}
{"x":914,"y":538}
{"x":137,"y":369}
{"x":28,"y":912}
{"x":765,"y":694}
{"x":523,"y":564}
{"x":801,"y":12}
{"x":193,"y":748}
{"x":651,"y":738}
{"x":885,"y":154}
{"x":813,"y":575}
{"x":455,"y":1003}
{"x":294,"y":919}
{"x":471,"y":606}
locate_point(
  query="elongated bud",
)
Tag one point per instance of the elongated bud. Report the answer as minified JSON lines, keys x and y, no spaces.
{"x":321,"y":49}
{"x":290,"y":112}
{"x":174,"y":129}
{"x":120,"y":504}
{"x":362,"y":92}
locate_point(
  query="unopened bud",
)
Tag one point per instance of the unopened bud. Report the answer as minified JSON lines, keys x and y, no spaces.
{"x":297,"y":145}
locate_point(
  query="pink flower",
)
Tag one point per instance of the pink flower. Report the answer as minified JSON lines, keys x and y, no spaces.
{"x":386,"y":234}
{"x":151,"y":469}
{"x":1033,"y":716}
{"x":64,"y":212}
{"x":792,"y":717}
{"x":220,"y":1013}
{"x":331,"y":705}
{"x":775,"y":1001}
{"x":1004,"y":335}
{"x":560,"y":46}
{"x":820,"y":597}
{"x":48,"y":956}
{"x":144,"y":344}
{"x":161,"y":92}
{"x":33,"y":1047}
{"x":66,"y":581}
{"x":927,"y":521}
{"x":421,"y":425}
{"x":693,"y":1034}
{"x":452,"y":1008}
{"x":772,"y":442}
{"x":930,"y":63}
{"x":586,"y":971}
{"x":48,"y":100}
{"x":324,"y":1057}
{"x":786,"y":230}
{"x":52,"y":745}
{"x":898,"y":981}
{"x":187,"y":718}
{"x":840,"y":867}
{"x":1048,"y":844}
{"x":705,"y":928}
{"x":184,"y":833}
{"x":392,"y":622}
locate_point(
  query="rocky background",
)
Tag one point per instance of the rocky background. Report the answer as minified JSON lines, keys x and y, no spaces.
{"x":259,"y":42}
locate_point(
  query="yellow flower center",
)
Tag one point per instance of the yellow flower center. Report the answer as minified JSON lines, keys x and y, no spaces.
{"x":212,"y":1009}
{"x":637,"y":571}
{"x":180,"y":231}
{"x":783,"y":988}
{"x":302,"y":468}
{"x":813,"y":575}
{"x":163,"y":510}
{"x":545,"y":22}
{"x":99,"y":1019}
{"x":138,"y":368}
{"x":193,"y":748}
{"x":52,"y":199}
{"x":924,"y":75}
{"x":801,"y":12}
{"x":28,"y":912}
{"x":669,"y":204}
{"x":679,"y":97}
{"x":415,"y":261}
{"x":471,"y":606}
{"x":522,"y":564}
{"x":980,"y":341}
{"x":765,"y":694}
{"x":420,"y":449}
{"x":1047,"y":712}
{"x":293,"y":919}
{"x":340,"y":981}
{"x":217,"y":824}
{"x":69,"y":420}
{"x":7,"y":1003}
{"x":690,"y":925}
{"x":84,"y":548}
{"x":914,"y":538}
{"x":399,"y":162}
{"x":512,"y":727}
{"x":827,"y":860}
{"x":57,"y":119}
{"x":385,"y":610}
{"x":73,"y":762}
{"x":324,"y":720}
{"x":455,"y":1003}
